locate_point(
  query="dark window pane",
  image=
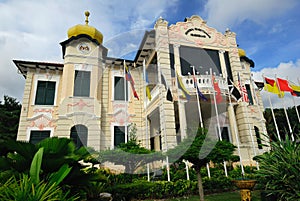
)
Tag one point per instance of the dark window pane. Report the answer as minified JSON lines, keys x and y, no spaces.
{"x":249,"y":94}
{"x":228,"y":67}
{"x":119,"y":135}
{"x":119,"y":89}
{"x":45,"y":93}
{"x":37,"y":136}
{"x":258,"y":137}
{"x":152,"y":143}
{"x":225,"y":134}
{"x":202,"y":59}
{"x":79,"y":135}
{"x":82,"y":83}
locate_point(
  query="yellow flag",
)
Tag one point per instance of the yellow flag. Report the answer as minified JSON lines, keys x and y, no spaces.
{"x":271,"y":86}
{"x":295,"y":87}
{"x":148,"y":93}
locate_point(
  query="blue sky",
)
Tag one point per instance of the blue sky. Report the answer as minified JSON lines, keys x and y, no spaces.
{"x":268,"y":30}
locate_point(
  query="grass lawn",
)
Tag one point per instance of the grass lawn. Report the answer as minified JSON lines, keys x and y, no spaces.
{"x":227,"y":196}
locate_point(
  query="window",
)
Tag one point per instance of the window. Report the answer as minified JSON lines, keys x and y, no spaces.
{"x":202,"y":59}
{"x":45,"y":93}
{"x":152,"y":143}
{"x":82,"y":83}
{"x":249,"y":94}
{"x":225,"y":134}
{"x":79,"y":135}
{"x":119,"y":90}
{"x":119,"y":135}
{"x":37,"y":136}
{"x":258,"y":139}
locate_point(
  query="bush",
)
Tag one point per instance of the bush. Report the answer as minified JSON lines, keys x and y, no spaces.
{"x":279,"y":170}
{"x":220,"y":184}
{"x":153,"y":190}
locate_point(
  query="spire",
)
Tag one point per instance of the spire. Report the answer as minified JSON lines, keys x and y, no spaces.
{"x":87,"y":14}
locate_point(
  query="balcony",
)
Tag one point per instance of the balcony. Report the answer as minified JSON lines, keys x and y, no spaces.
{"x":204,"y":83}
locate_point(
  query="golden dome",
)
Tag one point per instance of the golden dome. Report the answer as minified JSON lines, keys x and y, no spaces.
{"x":80,"y":29}
{"x":242,"y":52}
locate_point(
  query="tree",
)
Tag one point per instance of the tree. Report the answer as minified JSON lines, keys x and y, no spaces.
{"x":200,"y":149}
{"x":10,"y":111}
{"x":282,"y":122}
{"x":131,"y":154}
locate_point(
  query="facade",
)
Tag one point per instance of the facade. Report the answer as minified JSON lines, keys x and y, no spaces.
{"x":88,"y":98}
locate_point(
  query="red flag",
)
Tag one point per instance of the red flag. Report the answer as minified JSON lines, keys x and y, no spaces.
{"x":219,"y":98}
{"x":284,"y":85}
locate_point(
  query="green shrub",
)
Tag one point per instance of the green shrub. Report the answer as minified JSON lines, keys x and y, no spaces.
{"x":279,"y":170}
{"x":24,"y":188}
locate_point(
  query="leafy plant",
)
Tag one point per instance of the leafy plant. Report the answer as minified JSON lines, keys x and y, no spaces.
{"x":279,"y":169}
{"x":25,"y":188}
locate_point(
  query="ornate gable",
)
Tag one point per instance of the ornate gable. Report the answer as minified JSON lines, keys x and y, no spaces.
{"x":195,"y":32}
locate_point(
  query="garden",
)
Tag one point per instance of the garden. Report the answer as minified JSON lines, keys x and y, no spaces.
{"x":55,"y":169}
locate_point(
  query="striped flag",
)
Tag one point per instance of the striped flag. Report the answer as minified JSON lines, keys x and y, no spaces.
{"x":130,"y":79}
{"x":181,"y":86}
{"x":243,"y":89}
{"x":296,"y":90}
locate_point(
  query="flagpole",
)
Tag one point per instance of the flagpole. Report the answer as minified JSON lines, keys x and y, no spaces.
{"x":198,"y":102}
{"x":146,"y":119}
{"x":217,"y":117}
{"x":249,"y":127}
{"x":273,"y":115}
{"x":285,"y":112}
{"x":164,"y":127}
{"x":296,"y":107}
{"x":125,"y":100}
{"x":199,"y":111}
{"x":258,"y":106}
{"x":236,"y":136}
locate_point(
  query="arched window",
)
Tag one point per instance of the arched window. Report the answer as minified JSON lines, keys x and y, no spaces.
{"x":258,"y":139}
{"x":79,"y":135}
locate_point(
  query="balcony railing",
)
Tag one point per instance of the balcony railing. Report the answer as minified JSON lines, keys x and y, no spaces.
{"x":204,"y":82}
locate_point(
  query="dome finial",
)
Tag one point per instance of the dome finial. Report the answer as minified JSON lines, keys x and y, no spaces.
{"x":87,"y":14}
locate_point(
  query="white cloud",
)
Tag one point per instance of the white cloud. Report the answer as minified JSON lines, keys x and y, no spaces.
{"x":32,"y":30}
{"x":222,"y":14}
{"x":289,"y":71}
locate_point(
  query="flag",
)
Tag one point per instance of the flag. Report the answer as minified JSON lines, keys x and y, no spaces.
{"x":243,"y":90}
{"x":235,"y":93}
{"x":148,"y":92}
{"x":186,"y":94}
{"x":296,"y":90}
{"x":129,"y":78}
{"x":164,"y":82}
{"x":219,"y":98}
{"x":271,"y":86}
{"x":284,"y":85}
{"x":201,"y":95}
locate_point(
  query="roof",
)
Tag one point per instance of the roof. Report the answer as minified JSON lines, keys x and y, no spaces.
{"x":24,"y":66}
{"x":147,"y":44}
